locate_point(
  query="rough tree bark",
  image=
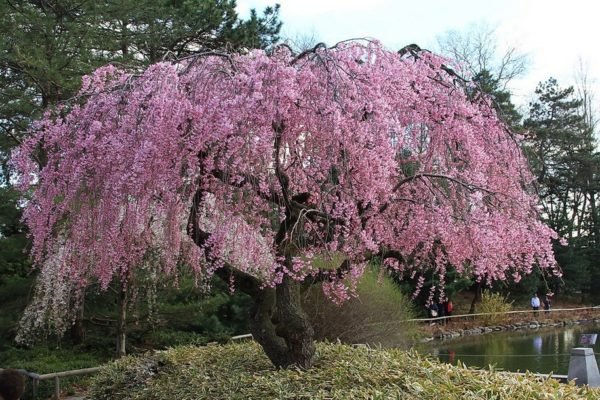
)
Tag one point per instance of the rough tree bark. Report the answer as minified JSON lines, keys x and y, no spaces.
{"x":282,"y":327}
{"x":77,"y":331}
{"x":277,"y":321}
{"x":476,"y":298}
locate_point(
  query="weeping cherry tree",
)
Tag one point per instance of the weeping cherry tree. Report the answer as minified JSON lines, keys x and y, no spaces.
{"x":275,"y":171}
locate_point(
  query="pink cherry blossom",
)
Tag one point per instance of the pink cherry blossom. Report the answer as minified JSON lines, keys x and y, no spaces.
{"x":282,"y":162}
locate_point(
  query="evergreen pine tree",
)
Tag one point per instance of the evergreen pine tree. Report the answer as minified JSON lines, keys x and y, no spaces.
{"x":560,"y":145}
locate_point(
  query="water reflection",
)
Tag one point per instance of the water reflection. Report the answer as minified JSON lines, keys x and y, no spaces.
{"x":537,"y":344}
{"x":451,"y":356}
{"x":542,"y":351}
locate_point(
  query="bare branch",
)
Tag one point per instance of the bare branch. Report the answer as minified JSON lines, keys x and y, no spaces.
{"x":476,"y":50}
{"x":19,"y":142}
{"x":248,"y":179}
{"x":308,"y":52}
{"x":466,"y":185}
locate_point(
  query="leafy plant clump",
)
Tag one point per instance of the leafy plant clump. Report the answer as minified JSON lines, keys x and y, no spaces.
{"x":493,"y":303}
{"x":242,"y":371}
{"x":378,"y":316}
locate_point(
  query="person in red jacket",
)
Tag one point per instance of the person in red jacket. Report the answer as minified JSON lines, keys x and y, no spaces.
{"x":448,"y":308}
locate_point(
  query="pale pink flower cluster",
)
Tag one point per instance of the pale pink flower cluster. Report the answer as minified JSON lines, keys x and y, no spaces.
{"x":348,"y":150}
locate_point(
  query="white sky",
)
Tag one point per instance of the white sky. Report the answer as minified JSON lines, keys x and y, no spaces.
{"x":555,"y":34}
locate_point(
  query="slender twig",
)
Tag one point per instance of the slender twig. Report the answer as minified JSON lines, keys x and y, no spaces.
{"x":467,"y":185}
{"x":307,"y":52}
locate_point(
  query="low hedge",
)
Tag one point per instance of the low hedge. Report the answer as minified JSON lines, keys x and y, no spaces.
{"x":242,"y":371}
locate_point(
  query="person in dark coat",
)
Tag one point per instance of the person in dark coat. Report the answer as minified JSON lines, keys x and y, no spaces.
{"x":546,"y":303}
{"x":433,"y":310}
{"x":442,"y":312}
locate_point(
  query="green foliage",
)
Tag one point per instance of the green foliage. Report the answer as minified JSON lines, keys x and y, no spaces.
{"x":490,"y":84}
{"x":14,"y":295}
{"x":43,"y":359}
{"x":493,"y":303}
{"x":146,"y":31}
{"x":577,"y":261}
{"x":242,"y":371}
{"x":520,"y":292}
{"x":454,"y":283}
{"x":45,"y":49}
{"x":561,"y":149}
{"x":560,"y":146}
{"x":13,"y":240}
{"x":376,"y":316}
{"x":184,"y":315}
{"x":170,"y":315}
{"x":217,"y":312}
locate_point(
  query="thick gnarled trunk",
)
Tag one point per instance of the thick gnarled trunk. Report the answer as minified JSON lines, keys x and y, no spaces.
{"x":476,"y":298}
{"x":277,"y":322}
{"x":281,"y":327}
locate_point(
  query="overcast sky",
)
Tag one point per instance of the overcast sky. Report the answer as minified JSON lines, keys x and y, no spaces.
{"x":555,"y":34}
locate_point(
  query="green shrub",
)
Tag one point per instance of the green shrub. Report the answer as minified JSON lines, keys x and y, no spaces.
{"x":493,"y":303}
{"x":42,"y":360}
{"x":242,"y":371}
{"x":374,"y":317}
{"x":14,"y":295}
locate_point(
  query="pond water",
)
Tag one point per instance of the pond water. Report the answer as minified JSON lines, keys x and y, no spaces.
{"x":542,"y":351}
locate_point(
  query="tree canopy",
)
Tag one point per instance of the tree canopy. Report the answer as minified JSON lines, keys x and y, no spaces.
{"x":274,"y":169}
{"x":47,"y":46}
{"x":561,"y":147}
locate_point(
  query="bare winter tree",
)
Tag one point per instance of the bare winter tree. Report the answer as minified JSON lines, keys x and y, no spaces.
{"x":476,"y":49}
{"x":300,"y":42}
{"x":584,"y":85}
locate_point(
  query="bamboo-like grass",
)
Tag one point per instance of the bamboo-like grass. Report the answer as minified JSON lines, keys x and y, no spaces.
{"x":242,"y":371}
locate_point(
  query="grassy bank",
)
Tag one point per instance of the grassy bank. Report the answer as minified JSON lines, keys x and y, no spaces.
{"x":241,"y":371}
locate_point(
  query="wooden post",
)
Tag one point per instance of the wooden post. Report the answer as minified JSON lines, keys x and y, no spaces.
{"x":35,"y":385}
{"x":56,"y":388}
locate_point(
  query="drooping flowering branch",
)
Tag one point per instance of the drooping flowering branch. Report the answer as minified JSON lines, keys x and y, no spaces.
{"x":273,"y":165}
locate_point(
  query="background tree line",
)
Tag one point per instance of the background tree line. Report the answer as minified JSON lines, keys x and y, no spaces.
{"x":45,"y":49}
{"x":559,"y":127}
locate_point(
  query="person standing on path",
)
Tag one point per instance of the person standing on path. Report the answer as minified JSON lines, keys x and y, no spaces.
{"x":441,"y":313}
{"x":449,"y":307}
{"x":547,"y":304}
{"x":535,"y":303}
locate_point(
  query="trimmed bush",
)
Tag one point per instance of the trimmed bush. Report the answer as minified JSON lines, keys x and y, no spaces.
{"x":242,"y":371}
